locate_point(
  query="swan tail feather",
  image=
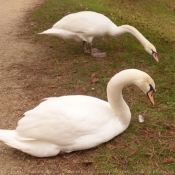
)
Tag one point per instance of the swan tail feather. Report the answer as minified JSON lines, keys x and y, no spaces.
{"x":7,"y":136}
{"x":61,"y":33}
{"x":50,"y":31}
{"x":57,"y":32}
{"x":27,"y":145}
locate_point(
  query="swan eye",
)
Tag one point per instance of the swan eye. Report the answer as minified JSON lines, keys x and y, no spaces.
{"x":151,"y":89}
{"x":153,"y":52}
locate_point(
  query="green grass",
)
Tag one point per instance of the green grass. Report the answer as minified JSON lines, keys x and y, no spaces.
{"x":142,"y":148}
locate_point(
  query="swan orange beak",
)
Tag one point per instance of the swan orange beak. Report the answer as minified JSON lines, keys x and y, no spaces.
{"x":155,"y":56}
{"x":150,"y":96}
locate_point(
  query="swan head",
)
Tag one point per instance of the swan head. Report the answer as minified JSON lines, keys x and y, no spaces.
{"x":132,"y":76}
{"x":146,"y":84}
{"x":152,"y":51}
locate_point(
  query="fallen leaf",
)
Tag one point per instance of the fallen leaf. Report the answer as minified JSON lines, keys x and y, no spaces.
{"x":94,"y":74}
{"x":87,"y":162}
{"x":171,"y":132}
{"x":166,"y":92}
{"x":173,"y":43}
{"x":168,"y":160}
{"x":149,"y":154}
{"x":95,"y":80}
{"x":52,"y":86}
{"x":159,"y":133}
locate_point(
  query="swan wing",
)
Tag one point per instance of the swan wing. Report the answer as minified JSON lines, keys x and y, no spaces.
{"x":65,"y":119}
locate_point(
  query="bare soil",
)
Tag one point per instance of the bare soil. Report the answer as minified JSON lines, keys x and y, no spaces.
{"x":26,"y":77}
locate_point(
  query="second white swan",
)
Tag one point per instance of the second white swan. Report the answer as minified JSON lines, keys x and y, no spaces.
{"x":84,"y":26}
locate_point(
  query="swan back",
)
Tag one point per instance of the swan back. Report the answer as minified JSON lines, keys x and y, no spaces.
{"x":84,"y":22}
{"x":86,"y":25}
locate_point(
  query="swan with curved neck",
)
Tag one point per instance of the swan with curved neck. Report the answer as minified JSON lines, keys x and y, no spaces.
{"x":77,"y":122}
{"x":85,"y":25}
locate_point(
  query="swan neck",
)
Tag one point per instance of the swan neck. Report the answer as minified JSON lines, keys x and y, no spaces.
{"x":132,"y":30}
{"x":116,"y":101}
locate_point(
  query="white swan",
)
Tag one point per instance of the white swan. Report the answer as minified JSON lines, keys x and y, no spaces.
{"x":85,"y":25}
{"x":77,"y":122}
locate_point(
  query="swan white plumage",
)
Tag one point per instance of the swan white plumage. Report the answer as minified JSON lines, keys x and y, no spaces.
{"x":77,"y":122}
{"x":85,"y":25}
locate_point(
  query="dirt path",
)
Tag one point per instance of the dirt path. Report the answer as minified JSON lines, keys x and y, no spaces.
{"x":19,"y":58}
{"x":26,"y":72}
